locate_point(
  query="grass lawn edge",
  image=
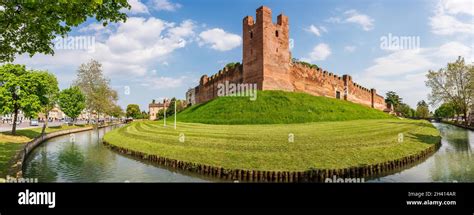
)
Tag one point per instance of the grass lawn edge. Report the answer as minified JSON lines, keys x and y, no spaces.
{"x":309,"y":175}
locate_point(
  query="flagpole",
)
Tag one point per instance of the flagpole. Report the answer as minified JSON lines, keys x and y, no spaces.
{"x":175,"y":114}
{"x":164,"y":106}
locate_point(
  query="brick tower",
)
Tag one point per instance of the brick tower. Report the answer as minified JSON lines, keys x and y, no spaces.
{"x":266,"y":52}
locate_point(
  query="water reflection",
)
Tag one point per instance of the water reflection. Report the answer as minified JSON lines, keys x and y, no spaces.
{"x":452,"y":163}
{"x":87,"y":160}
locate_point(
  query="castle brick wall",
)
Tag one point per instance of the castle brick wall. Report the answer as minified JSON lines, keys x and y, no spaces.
{"x":208,"y":86}
{"x":266,"y":61}
{"x":319,"y":82}
{"x":316,"y":81}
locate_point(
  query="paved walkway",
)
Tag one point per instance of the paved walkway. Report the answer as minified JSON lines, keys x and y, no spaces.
{"x":26,"y":125}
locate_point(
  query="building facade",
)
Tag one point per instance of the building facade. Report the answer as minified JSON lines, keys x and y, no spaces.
{"x":154,"y":108}
{"x":267,"y":62}
{"x":191,"y":97}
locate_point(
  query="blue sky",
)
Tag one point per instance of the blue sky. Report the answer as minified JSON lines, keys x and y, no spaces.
{"x":166,"y":45}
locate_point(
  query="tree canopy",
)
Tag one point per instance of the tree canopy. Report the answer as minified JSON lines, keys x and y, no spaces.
{"x":26,"y":90}
{"x":100,"y":97}
{"x":393,"y":99}
{"x":72,"y":102}
{"x":446,"y":110}
{"x":453,"y":84}
{"x":29,"y":26}
{"x":422,"y":109}
{"x":133,"y":110}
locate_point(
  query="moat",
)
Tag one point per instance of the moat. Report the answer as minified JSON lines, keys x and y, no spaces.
{"x":86,"y":159}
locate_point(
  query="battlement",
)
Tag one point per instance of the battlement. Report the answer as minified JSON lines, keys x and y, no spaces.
{"x":225,"y":73}
{"x":266,"y":62}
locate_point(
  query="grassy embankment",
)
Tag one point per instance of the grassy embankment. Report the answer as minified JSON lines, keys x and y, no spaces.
{"x":254,"y":135}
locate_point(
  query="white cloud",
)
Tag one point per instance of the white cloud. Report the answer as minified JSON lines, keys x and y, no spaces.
{"x":353,"y":16}
{"x":2,"y":8}
{"x":165,"y":5}
{"x":137,"y":7}
{"x":164,"y":82}
{"x":404,"y":71}
{"x":399,"y":63}
{"x":93,"y":27}
{"x":363,"y":20}
{"x":314,"y":30}
{"x":129,"y":50}
{"x":453,"y":49}
{"x":323,"y":29}
{"x":458,"y":6}
{"x":447,"y":25}
{"x":219,"y":40}
{"x":350,"y":48}
{"x":447,"y":17}
{"x":320,"y":52}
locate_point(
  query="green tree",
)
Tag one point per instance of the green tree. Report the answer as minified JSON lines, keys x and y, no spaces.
{"x":17,"y":92}
{"x":144,"y":115}
{"x":232,"y":65}
{"x":117,"y":111}
{"x":453,"y":84}
{"x":72,"y":102}
{"x":446,"y":110}
{"x":133,"y":110}
{"x":179,"y":107}
{"x":405,"y":110}
{"x":170,"y":109}
{"x":29,"y":26}
{"x":100,"y":97}
{"x":422,"y":110}
{"x":160,"y":114}
{"x":46,"y":88}
{"x":393,"y":99}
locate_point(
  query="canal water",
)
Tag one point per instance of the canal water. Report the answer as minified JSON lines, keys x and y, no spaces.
{"x":453,"y":162}
{"x":84,"y":158}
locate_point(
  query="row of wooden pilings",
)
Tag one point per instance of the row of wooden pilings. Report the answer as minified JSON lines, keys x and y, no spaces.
{"x":312,"y":175}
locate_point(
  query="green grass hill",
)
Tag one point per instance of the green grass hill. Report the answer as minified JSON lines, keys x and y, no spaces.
{"x":277,"y":107}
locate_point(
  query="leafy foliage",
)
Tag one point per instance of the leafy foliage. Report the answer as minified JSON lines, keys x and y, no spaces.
{"x":100,"y":97}
{"x":453,"y":84}
{"x":21,"y":89}
{"x":232,"y":65}
{"x":133,"y":110}
{"x":422,"y":110}
{"x":312,"y":66}
{"x":29,"y":26}
{"x":446,"y":110}
{"x":405,"y":110}
{"x":72,"y":101}
{"x":393,"y":99}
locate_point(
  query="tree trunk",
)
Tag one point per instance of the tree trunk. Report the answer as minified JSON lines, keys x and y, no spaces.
{"x":45,"y":123}
{"x":97,"y":121}
{"x":15,"y":117}
{"x":465,"y":117}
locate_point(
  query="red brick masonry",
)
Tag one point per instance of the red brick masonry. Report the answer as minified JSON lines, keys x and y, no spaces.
{"x":267,"y":62}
